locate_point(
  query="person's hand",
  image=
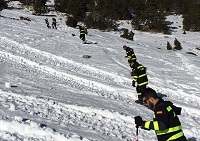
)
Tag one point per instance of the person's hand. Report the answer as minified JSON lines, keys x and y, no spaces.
{"x":138,"y":121}
{"x":132,"y":73}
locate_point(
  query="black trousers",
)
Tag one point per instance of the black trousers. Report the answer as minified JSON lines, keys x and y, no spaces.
{"x":82,"y":37}
{"x":140,"y":90}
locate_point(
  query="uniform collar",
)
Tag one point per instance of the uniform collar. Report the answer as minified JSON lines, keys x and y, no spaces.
{"x":159,"y":101}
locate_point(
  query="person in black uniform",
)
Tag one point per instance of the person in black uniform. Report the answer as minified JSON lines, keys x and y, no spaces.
{"x":129,"y":53}
{"x":139,"y":76}
{"x":165,"y":122}
{"x":82,"y":31}
{"x":47,"y":23}
{"x":54,"y":23}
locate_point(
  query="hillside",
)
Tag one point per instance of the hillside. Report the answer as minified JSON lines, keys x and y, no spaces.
{"x":49,"y":92}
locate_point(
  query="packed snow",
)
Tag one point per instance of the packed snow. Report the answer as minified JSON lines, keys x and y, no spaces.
{"x":49,"y":92}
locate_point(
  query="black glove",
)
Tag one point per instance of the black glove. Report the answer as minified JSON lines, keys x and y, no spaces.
{"x":133,"y":83}
{"x":138,"y":121}
{"x":132,"y":73}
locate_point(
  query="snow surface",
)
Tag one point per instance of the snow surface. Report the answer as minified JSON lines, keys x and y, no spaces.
{"x":49,"y":92}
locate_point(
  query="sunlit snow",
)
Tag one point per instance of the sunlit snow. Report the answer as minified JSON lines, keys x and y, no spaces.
{"x":49,"y":92}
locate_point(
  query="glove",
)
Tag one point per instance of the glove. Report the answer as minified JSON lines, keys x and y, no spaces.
{"x":132,"y":73}
{"x":138,"y":121}
{"x":133,"y":83}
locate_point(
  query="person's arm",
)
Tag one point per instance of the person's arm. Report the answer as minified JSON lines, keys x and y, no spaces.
{"x":154,"y":125}
{"x":134,"y":73}
{"x":160,"y":121}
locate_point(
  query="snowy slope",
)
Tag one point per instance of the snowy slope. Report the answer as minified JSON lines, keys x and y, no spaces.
{"x":49,"y":92}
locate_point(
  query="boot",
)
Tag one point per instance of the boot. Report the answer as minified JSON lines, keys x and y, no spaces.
{"x":139,"y":101}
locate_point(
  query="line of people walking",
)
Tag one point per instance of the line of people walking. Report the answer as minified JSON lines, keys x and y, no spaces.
{"x":138,"y":73}
{"x":165,"y":123}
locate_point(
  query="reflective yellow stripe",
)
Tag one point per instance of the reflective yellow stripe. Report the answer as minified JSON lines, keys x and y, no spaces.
{"x":139,"y":93}
{"x":142,"y":83}
{"x":146,"y":125}
{"x":82,"y":32}
{"x":142,"y":75}
{"x":170,"y":130}
{"x":134,"y":80}
{"x":130,"y":58}
{"x":135,"y":77}
{"x":169,"y":108}
{"x":176,"y":136}
{"x":139,"y":67}
{"x":155,"y":124}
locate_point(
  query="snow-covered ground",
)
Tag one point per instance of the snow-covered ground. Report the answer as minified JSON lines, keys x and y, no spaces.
{"x":49,"y":92}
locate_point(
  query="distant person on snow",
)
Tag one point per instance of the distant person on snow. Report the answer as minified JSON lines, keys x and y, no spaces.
{"x":82,"y":31}
{"x":165,"y":121}
{"x":131,"y":35}
{"x":130,"y":55}
{"x":54,"y":23}
{"x":139,"y":76}
{"x":47,"y":23}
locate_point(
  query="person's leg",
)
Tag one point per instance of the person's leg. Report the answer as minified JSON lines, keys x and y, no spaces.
{"x":140,"y":90}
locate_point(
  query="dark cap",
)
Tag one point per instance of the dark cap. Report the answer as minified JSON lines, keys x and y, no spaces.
{"x":124,"y":46}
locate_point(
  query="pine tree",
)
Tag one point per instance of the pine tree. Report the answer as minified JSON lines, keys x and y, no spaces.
{"x":78,"y":9}
{"x":191,"y":19}
{"x":61,"y":5}
{"x":116,"y":9}
{"x":169,"y":47}
{"x":181,"y":6}
{"x":177,"y":45}
{"x":3,"y":5}
{"x":27,"y":2}
{"x":125,"y":34}
{"x":99,"y":17}
{"x":152,"y":17}
{"x":39,"y":7}
{"x":71,"y":22}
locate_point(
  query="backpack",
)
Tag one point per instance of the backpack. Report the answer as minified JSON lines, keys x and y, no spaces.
{"x":176,"y":109}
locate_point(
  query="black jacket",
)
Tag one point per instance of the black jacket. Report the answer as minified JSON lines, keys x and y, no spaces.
{"x":130,"y":54}
{"x":139,"y":74}
{"x":82,"y":30}
{"x":166,"y":122}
